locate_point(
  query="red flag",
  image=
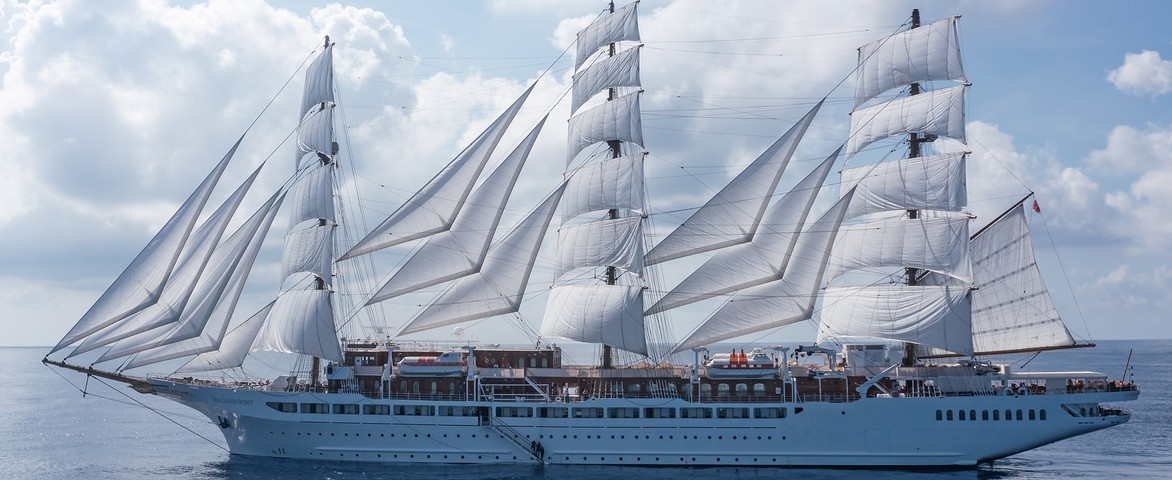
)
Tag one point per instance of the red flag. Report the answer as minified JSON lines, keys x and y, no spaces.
{"x":1037,"y":209}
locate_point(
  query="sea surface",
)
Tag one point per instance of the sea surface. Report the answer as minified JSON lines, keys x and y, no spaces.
{"x":50,"y":430}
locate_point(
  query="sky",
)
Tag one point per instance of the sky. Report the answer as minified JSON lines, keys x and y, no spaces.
{"x":112,"y":112}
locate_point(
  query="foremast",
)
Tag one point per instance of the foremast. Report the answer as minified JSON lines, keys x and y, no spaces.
{"x":302,"y":318}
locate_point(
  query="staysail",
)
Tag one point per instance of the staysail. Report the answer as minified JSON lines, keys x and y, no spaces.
{"x":461,"y":250}
{"x":732,"y":215}
{"x":785,"y":300}
{"x":761,"y":260}
{"x":434,"y":207}
{"x":140,"y":284}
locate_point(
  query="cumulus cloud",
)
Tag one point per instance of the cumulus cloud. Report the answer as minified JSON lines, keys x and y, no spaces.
{"x":1115,"y":277}
{"x":1132,"y":150}
{"x":1143,"y":74}
{"x":1142,"y":158}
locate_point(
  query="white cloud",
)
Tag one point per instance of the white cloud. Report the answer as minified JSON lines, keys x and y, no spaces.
{"x":1143,"y":159}
{"x":1115,"y":277}
{"x":1131,"y":150}
{"x":1143,"y":73}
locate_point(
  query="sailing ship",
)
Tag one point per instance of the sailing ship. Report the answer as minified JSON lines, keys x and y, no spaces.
{"x":961,"y":299}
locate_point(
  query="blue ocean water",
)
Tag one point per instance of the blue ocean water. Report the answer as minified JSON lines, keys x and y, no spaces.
{"x":48,"y":430}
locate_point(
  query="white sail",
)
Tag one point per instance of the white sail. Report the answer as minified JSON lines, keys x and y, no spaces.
{"x":141,"y":283}
{"x":732,"y":215}
{"x":209,"y":293}
{"x":933,"y":316}
{"x":763,"y":259}
{"x":614,"y":120}
{"x":175,"y":295}
{"x":234,"y":348}
{"x":778,"y":303}
{"x":922,"y":183}
{"x":434,"y":207}
{"x":622,"y":25}
{"x":938,"y":112}
{"x":937,"y":244}
{"x":1012,"y":308}
{"x":312,"y":197}
{"x":603,"y":185}
{"x":922,"y":54}
{"x":608,"y":243}
{"x":202,"y":329}
{"x":499,"y":286}
{"x":302,"y":321}
{"x":621,"y":70}
{"x":309,"y":250}
{"x":606,"y":314}
{"x":316,"y":134}
{"x":319,"y":80}
{"x":461,"y":251}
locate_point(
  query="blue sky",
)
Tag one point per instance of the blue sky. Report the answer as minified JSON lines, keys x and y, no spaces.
{"x":111,"y":113}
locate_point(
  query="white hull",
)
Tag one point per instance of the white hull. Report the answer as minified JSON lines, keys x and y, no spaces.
{"x":893,"y":432}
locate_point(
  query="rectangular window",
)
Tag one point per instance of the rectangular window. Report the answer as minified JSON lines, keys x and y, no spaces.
{"x":514,"y":412}
{"x":457,"y":411}
{"x":415,"y":410}
{"x":376,"y":409}
{"x":287,"y":407}
{"x":695,"y":413}
{"x":730,"y":412}
{"x":588,"y":412}
{"x":345,"y":409}
{"x":659,"y":412}
{"x":773,"y":412}
{"x":315,"y":408}
{"x":622,"y":412}
{"x":553,"y":412}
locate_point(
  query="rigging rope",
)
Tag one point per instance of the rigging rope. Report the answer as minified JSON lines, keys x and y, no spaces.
{"x":84,"y":392}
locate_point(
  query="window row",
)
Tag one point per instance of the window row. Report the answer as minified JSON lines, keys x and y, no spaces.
{"x":540,"y":412}
{"x":994,"y":415}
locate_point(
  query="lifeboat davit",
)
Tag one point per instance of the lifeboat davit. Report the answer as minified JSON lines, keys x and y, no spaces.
{"x":447,"y":364}
{"x":755,"y":364}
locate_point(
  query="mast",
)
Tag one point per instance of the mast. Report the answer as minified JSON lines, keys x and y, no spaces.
{"x":922,"y":314}
{"x":613,"y":214}
{"x":603,"y":308}
{"x":909,"y":349}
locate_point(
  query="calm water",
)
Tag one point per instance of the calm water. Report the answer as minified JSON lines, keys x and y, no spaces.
{"x":49,"y":431}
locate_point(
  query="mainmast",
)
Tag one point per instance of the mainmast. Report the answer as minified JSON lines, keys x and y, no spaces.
{"x":583,"y":307}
